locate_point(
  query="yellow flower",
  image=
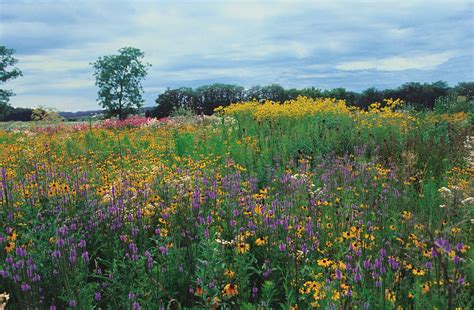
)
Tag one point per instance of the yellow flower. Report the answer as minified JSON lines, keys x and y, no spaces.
{"x":390,"y":296}
{"x":455,"y":230}
{"x":242,"y":247}
{"x":9,"y":247}
{"x":12,"y":236}
{"x":261,"y":241}
{"x":418,"y":272}
{"x":407,"y":215}
{"x":324,"y":262}
{"x":230,"y":290}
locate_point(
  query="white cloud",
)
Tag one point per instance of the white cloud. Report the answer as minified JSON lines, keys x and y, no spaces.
{"x":398,"y":63}
{"x":296,"y":43}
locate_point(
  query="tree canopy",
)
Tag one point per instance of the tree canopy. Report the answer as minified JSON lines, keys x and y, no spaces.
{"x":7,"y":72}
{"x":206,"y":98}
{"x":119,"y":80}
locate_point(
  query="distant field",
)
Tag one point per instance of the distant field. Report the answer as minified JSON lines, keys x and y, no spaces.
{"x":306,"y":204}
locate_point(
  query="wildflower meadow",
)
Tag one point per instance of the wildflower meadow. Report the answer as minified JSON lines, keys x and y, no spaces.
{"x":296,"y":205}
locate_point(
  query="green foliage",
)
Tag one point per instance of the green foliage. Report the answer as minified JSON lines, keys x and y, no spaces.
{"x":455,"y":103}
{"x":205,"y":98}
{"x":119,"y":80}
{"x":6,"y":73}
{"x":45,"y":115}
{"x":183,"y":112}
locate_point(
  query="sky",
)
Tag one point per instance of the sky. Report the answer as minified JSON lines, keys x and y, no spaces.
{"x":325,"y":44}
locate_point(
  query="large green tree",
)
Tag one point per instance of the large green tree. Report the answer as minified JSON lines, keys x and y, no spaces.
{"x":119,"y":80}
{"x":7,"y":72}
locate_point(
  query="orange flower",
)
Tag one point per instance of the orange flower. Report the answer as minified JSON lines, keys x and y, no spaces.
{"x":230,"y":290}
{"x":229,"y":273}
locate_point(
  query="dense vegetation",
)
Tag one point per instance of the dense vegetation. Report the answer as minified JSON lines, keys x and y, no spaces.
{"x":206,"y":98}
{"x":310,"y":203}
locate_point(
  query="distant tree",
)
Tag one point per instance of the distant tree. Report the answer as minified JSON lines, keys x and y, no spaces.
{"x":7,"y":73}
{"x":341,"y":94}
{"x":465,"y":89}
{"x":174,"y":99}
{"x":254,"y":93}
{"x":212,"y":96}
{"x":45,"y":114}
{"x":18,"y":114}
{"x":311,"y":92}
{"x":293,"y":93}
{"x":369,"y":96}
{"x":422,"y":96}
{"x":5,"y":109}
{"x":273,"y":92}
{"x":119,"y":80}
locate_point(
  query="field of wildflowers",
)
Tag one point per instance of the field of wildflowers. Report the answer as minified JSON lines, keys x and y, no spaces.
{"x":304,"y":204}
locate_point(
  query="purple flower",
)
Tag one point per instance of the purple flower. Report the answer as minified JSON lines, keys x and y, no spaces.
{"x":357,"y":277}
{"x":9,"y":259}
{"x":254,"y":291}
{"x":4,"y":273}
{"x":72,"y":257}
{"x":163,"y":250}
{"x":60,"y":242}
{"x":20,"y":251}
{"x":282,"y":247}
{"x":97,"y":296}
{"x":85,"y":257}
{"x":25,"y":287}
{"x":72,"y":303}
{"x":456,"y":259}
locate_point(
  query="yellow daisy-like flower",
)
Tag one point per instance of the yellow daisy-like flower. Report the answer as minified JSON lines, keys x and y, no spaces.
{"x":324,"y":262}
{"x":242,"y":247}
{"x":407,"y":215}
{"x":418,"y":272}
{"x":10,"y":247}
{"x":261,"y":241}
{"x":390,"y":296}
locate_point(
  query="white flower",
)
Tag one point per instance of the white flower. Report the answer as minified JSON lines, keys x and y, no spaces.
{"x":444,"y":190}
{"x":468,"y":201}
{"x":4,"y":297}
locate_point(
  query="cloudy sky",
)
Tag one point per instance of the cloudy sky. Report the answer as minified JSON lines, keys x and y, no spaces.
{"x":326,"y":44}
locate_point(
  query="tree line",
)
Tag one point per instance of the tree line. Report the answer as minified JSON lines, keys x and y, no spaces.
{"x":119,"y":77}
{"x":204,"y":99}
